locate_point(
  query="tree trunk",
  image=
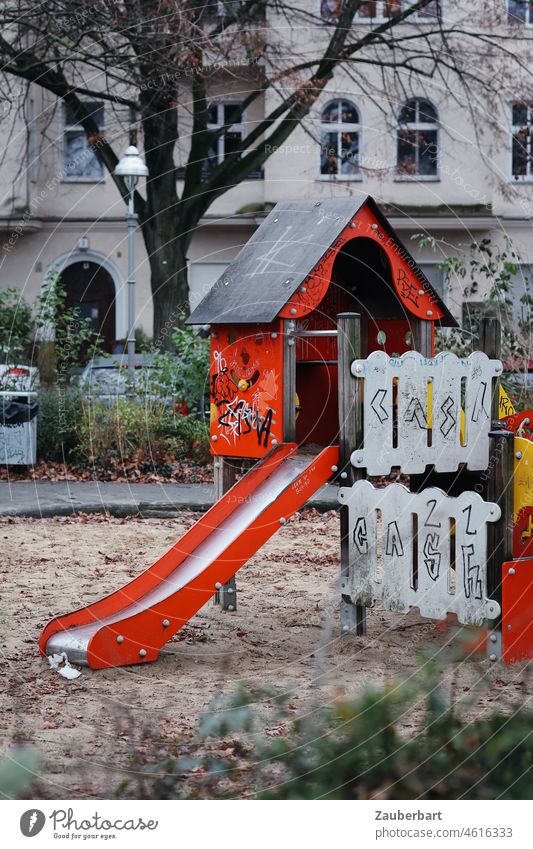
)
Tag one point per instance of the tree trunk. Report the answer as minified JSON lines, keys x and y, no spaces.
{"x":169,"y":279}
{"x":166,"y":236}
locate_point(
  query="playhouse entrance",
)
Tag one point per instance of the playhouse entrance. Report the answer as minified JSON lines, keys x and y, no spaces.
{"x":361,"y":281}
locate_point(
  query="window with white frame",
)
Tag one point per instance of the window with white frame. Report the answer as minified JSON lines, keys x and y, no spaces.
{"x":340,"y":140}
{"x":522,"y":152}
{"x":227,"y":143}
{"x":378,"y":11}
{"x":80,"y":162}
{"x":418,"y":140}
{"x":520,"y":12}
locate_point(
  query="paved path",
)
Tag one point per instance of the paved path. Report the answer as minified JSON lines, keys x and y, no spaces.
{"x":150,"y":500}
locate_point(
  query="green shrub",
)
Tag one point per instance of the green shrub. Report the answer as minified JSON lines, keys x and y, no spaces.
{"x":129,"y":428}
{"x":58,"y":420}
{"x":17,"y":772}
{"x":16,"y":326}
{"x":352,"y":749}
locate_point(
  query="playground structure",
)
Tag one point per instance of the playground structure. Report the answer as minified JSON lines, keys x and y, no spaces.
{"x":323,"y":367}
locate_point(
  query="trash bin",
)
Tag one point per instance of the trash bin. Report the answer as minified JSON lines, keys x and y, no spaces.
{"x":18,"y":415}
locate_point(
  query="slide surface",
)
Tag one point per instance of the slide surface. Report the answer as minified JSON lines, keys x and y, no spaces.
{"x":132,"y":624}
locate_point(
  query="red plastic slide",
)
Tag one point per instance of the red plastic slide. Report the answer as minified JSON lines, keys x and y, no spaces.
{"x":132,"y":624}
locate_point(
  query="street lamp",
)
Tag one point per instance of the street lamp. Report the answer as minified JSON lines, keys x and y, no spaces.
{"x":130,"y":168}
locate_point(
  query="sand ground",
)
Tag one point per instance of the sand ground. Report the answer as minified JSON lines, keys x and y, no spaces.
{"x":284,"y":632}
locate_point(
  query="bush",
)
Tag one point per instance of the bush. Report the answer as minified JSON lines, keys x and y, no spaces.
{"x":353,"y":749}
{"x":58,"y":420}
{"x":16,"y":326}
{"x":130,"y":427}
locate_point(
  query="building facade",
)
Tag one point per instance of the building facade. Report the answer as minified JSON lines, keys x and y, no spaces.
{"x":415,"y":147}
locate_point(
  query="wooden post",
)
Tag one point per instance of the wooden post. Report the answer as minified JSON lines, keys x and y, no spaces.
{"x":224,"y":474}
{"x":353,"y":617}
{"x":289,"y":382}
{"x":422,"y":337}
{"x":498,"y":484}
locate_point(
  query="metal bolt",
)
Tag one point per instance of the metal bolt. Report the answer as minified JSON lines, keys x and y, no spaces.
{"x":274,"y":335}
{"x":525,"y":422}
{"x":217,"y":465}
{"x":214,"y":335}
{"x":287,"y":281}
{"x":518,"y":455}
{"x":509,"y":627}
{"x":142,"y":653}
{"x":429,"y":312}
{"x":218,"y":585}
{"x":230,"y":590}
{"x":375,"y":227}
{"x":165,"y":623}
{"x":334,"y":468}
{"x":345,"y":628}
{"x":318,"y":203}
{"x":290,"y":343}
{"x":283,"y":520}
{"x":120,"y":638}
{"x":275,"y":220}
{"x":293,"y":310}
{"x":358,"y":368}
{"x":359,"y":459}
{"x":344,"y":475}
{"x":303,"y":289}
{"x":512,"y":571}
{"x":493,"y":657}
{"x":214,"y":438}
{"x":493,"y":638}
{"x":274,"y":442}
{"x":353,"y":225}
{"x":230,"y":607}
{"x":420,"y":291}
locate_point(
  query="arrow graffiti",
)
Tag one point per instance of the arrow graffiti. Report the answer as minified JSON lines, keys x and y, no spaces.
{"x":414,"y":411}
{"x":377,"y":405}
{"x":432,"y":556}
{"x":449,"y":421}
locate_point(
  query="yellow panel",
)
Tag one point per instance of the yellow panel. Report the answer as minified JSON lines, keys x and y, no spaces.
{"x":505,"y":407}
{"x":523,"y":474}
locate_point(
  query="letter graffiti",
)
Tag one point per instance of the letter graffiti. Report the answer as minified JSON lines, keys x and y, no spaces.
{"x":360,"y":536}
{"x":408,"y":290}
{"x":239,"y":419}
{"x":471,"y":572}
{"x":449,"y":422}
{"x":394,"y":544}
{"x":377,"y":405}
{"x":432,"y":556}
{"x":416,"y":411}
{"x":479,"y":410}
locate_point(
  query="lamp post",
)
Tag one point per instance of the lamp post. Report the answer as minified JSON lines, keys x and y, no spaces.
{"x":131,"y":167}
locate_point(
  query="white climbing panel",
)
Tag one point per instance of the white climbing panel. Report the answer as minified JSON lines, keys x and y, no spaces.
{"x":425,"y":550}
{"x":412,"y":411}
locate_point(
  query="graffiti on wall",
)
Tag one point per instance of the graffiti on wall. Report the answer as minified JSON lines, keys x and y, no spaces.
{"x":245,"y":390}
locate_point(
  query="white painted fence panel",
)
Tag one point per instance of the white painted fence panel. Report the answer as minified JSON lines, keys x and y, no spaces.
{"x":412,"y":411}
{"x":425,"y":550}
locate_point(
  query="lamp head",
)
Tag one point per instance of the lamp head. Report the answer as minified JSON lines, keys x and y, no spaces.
{"x":131,"y":167}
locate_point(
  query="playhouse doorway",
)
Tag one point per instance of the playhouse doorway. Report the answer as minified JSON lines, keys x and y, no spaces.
{"x":361,"y":281}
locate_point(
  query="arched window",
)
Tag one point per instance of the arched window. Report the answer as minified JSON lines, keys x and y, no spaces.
{"x":340,"y":136}
{"x":418,"y":140}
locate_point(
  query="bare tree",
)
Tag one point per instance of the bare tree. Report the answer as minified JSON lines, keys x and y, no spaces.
{"x":151,"y":58}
